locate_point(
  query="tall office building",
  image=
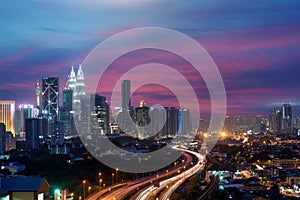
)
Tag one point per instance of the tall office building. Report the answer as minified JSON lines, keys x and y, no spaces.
{"x":156,"y":116}
{"x":275,"y":121}
{"x":2,"y":137}
{"x":57,"y":133}
{"x":171,"y":125}
{"x":32,"y":129}
{"x":287,"y":116}
{"x":184,"y":121}
{"x":100,"y":110}
{"x":142,"y":119}
{"x":7,"y":113}
{"x":50,"y":98}
{"x":66,"y":116}
{"x":25,"y":111}
{"x":172,"y":121}
{"x":126,"y":94}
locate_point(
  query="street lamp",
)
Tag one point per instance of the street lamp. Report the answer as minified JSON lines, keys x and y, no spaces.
{"x":112,"y":178}
{"x":117,"y":169}
{"x":99,"y":175}
{"x":100,"y":183}
{"x":84,"y":182}
{"x":89,"y":189}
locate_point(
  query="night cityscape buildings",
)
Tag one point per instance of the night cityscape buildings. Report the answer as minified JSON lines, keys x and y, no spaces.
{"x":59,"y":133}
{"x":51,"y":126}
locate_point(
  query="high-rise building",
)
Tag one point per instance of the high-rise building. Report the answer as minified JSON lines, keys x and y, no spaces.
{"x":7,"y":113}
{"x":2,"y":137}
{"x":184,"y":121}
{"x":156,"y":116}
{"x":100,"y":109}
{"x":172,"y":121}
{"x":57,"y":133}
{"x":26,"y":111}
{"x":72,"y":82}
{"x":76,"y":84}
{"x":171,"y":125}
{"x":287,"y":116}
{"x":142,"y":119}
{"x":50,"y":98}
{"x":37,"y":95}
{"x":80,"y":84}
{"x":126,"y":94}
{"x":66,"y":116}
{"x":32,"y":129}
{"x":275,"y":121}
{"x":36,"y":129}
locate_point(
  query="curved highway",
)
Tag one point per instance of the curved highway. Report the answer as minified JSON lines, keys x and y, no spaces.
{"x":167,"y":187}
{"x":133,"y":187}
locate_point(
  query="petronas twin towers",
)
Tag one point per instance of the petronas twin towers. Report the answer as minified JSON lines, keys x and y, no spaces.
{"x":76,"y":84}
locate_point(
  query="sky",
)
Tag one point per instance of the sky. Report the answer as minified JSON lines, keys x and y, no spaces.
{"x":254,"y":44}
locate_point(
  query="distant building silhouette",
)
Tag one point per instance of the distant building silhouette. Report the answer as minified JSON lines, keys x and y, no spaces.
{"x":7,"y":114}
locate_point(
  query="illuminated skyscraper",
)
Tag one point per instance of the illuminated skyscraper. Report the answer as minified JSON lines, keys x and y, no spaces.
{"x":184,"y":121}
{"x":26,"y":111}
{"x":287,"y":116}
{"x":7,"y":113}
{"x":100,"y":109}
{"x":50,"y":98}
{"x":80,"y":84}
{"x":126,"y":93}
{"x":37,"y":94}
{"x":72,"y":81}
{"x":142,"y":119}
{"x":66,"y":116}
{"x":275,"y":121}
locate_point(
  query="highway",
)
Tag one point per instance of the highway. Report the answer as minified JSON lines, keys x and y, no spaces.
{"x":167,"y":187}
{"x":133,"y":187}
{"x":210,"y":188}
{"x":98,"y":195}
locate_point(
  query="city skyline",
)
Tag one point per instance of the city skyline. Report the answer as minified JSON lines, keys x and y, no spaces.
{"x":255,"y":46}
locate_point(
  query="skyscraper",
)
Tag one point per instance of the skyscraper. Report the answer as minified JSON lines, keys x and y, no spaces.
{"x":72,"y":81}
{"x":275,"y":121}
{"x":172,"y":121}
{"x":184,"y":121}
{"x":126,"y":93}
{"x":76,"y":84}
{"x":80,"y":84}
{"x":100,"y":109}
{"x":37,"y":94}
{"x":142,"y":119}
{"x":32,"y":130}
{"x":7,"y":113}
{"x":26,"y":111}
{"x":171,"y":125}
{"x":50,"y":98}
{"x":66,"y":116}
{"x":287,"y":116}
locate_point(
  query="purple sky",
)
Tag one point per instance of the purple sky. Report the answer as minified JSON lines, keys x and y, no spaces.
{"x":256,"y":45}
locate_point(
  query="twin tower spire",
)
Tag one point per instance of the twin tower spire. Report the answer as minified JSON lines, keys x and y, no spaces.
{"x":76,"y":83}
